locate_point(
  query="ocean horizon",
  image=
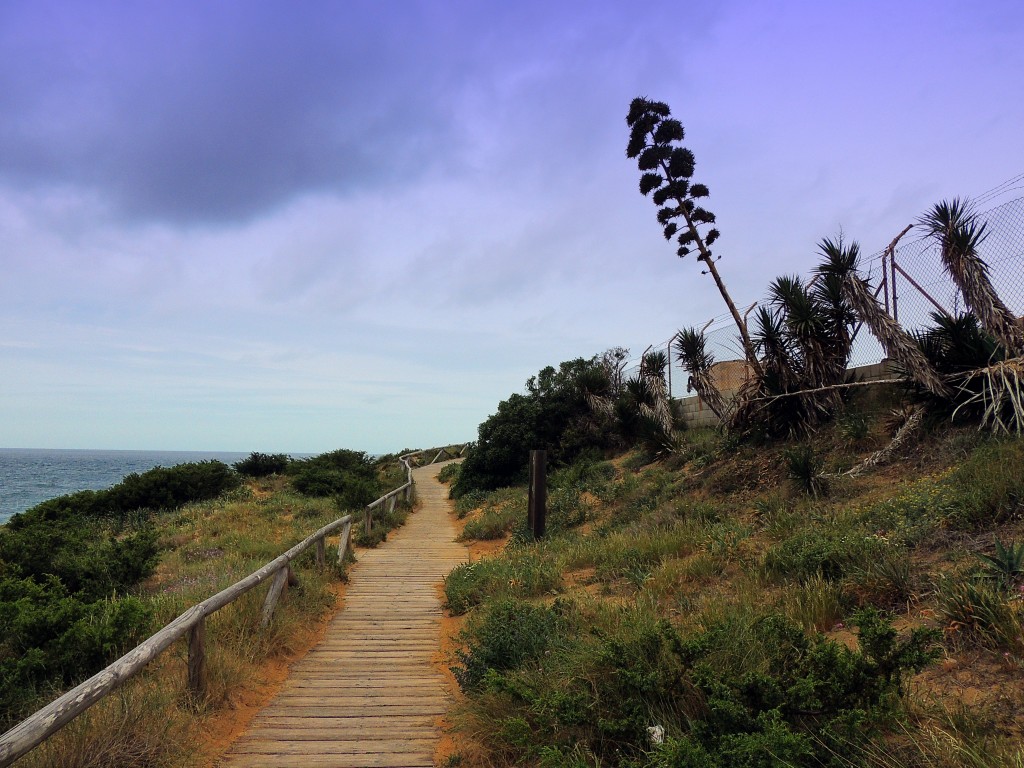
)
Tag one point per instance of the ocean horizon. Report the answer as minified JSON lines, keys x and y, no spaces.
{"x":29,"y":476}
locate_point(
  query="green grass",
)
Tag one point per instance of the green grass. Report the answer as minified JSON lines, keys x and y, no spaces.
{"x":691,"y":589}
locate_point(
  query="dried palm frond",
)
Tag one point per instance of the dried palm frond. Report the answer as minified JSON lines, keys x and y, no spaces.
{"x":600,"y":405}
{"x":898,"y":345}
{"x":908,"y":428}
{"x":691,"y":345}
{"x":1000,"y":395}
{"x":959,"y":233}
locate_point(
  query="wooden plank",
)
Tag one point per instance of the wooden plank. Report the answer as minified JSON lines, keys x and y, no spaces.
{"x":369,"y":693}
{"x":331,"y":761}
{"x":347,"y":746}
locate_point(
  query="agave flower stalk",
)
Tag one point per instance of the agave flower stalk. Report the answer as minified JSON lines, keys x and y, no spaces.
{"x":666,"y":171}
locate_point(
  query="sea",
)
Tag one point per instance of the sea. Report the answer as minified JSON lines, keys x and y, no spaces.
{"x":29,"y":475}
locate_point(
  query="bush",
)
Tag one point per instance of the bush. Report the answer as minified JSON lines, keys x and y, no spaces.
{"x":262,"y":464}
{"x":349,"y":475}
{"x":831,"y":553}
{"x":53,"y":638}
{"x":554,"y":415}
{"x":751,"y":690}
{"x":524,"y":575}
{"x":158,"y":489}
{"x":449,"y":472}
{"x":507,"y":634}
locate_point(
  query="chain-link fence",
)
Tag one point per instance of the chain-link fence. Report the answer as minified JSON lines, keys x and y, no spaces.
{"x":910,"y":282}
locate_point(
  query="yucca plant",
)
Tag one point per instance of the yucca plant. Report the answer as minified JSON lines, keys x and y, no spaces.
{"x":807,"y":470}
{"x":897,"y":343}
{"x":959,"y":233}
{"x":803,"y":338}
{"x":666,"y":174}
{"x":697,"y":361}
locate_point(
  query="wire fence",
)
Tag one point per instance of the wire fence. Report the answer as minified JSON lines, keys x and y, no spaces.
{"x":912,"y":284}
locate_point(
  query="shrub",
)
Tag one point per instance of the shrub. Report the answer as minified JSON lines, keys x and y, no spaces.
{"x":348,"y":475}
{"x":262,"y":464}
{"x":54,"y":638}
{"x":553,"y":415}
{"x":157,"y":489}
{"x":449,"y":472}
{"x":749,"y":691}
{"x":507,"y":634}
{"x":523,"y":575}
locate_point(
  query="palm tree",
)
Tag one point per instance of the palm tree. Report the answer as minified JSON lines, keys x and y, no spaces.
{"x":959,"y":233}
{"x":897,"y":344}
{"x":691,"y":345}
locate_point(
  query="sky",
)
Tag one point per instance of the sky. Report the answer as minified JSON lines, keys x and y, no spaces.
{"x":277,"y":226}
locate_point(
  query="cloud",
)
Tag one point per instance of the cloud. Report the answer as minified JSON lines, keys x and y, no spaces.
{"x":191,"y":112}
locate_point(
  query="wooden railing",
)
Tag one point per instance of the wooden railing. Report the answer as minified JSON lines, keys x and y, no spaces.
{"x":40,"y":726}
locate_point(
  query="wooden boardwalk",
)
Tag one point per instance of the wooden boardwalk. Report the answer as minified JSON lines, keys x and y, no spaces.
{"x":368,"y":696}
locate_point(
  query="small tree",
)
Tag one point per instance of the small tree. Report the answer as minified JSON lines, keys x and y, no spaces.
{"x":667,"y":168}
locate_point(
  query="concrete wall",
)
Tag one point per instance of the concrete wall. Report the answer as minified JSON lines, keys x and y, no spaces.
{"x":697,"y":414}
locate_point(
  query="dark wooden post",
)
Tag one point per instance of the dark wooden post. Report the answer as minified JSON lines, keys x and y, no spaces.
{"x":537,"y":505}
{"x":197,"y":658}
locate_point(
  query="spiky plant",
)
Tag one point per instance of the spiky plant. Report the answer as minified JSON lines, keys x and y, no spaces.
{"x":956,"y":227}
{"x":696,"y":360}
{"x":656,"y":408}
{"x":896,"y":342}
{"x":1007,"y":564}
{"x":803,"y":338}
{"x":666,"y":172}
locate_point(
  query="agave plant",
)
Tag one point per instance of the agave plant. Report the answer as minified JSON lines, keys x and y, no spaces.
{"x":1007,"y":564}
{"x":955,"y":226}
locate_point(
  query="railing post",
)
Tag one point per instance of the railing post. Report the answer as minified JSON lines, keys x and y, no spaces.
{"x":391,"y":504}
{"x":321,"y":553}
{"x":343,"y":542}
{"x":280,"y":581}
{"x":368,"y":520}
{"x":197,"y":658}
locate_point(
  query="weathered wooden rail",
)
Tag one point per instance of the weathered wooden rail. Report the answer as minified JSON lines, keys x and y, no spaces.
{"x":40,"y":726}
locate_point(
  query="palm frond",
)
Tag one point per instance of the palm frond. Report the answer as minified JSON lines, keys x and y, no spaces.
{"x":959,"y":233}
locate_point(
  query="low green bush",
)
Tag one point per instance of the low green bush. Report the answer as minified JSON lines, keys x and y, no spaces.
{"x":157,"y":489}
{"x":556,"y":684}
{"x":449,"y":473}
{"x":54,"y":638}
{"x":349,"y":476}
{"x":505,"y":635}
{"x":262,"y":464}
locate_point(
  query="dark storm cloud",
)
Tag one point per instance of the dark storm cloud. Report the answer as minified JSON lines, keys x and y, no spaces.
{"x":205,"y":111}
